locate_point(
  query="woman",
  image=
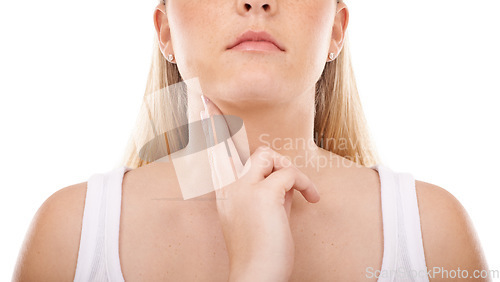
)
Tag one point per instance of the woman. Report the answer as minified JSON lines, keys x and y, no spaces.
{"x":353,"y":218}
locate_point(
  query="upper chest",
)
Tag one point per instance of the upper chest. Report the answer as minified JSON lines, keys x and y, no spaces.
{"x":337,"y":239}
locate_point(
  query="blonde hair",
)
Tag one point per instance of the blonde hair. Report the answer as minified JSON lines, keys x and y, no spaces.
{"x":339,"y":116}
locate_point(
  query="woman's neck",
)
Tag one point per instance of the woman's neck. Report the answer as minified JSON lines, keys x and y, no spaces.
{"x":286,"y":127}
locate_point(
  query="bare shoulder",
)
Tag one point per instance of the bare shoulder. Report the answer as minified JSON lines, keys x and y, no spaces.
{"x":154,"y":181}
{"x":50,"y":248}
{"x":449,"y":238}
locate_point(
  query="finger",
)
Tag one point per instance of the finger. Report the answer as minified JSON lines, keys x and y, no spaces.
{"x":223,"y":158}
{"x":288,"y":202}
{"x":221,"y":165}
{"x":292,"y":178}
{"x":222,"y":132}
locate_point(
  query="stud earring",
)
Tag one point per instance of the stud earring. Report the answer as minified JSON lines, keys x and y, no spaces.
{"x":331,"y":56}
{"x":170,"y":58}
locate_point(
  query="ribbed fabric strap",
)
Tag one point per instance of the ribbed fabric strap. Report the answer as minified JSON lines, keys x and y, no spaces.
{"x":98,"y":257}
{"x":403,"y":258}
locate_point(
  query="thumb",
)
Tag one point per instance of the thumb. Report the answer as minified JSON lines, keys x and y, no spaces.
{"x":288,"y":202}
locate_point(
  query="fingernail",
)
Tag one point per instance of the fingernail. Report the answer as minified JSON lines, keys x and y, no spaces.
{"x":205,"y":100}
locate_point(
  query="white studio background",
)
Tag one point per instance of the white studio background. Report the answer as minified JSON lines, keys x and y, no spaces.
{"x":73,"y":76}
{"x":428,"y":79}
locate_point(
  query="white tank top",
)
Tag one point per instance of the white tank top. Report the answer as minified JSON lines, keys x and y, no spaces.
{"x":98,"y":258}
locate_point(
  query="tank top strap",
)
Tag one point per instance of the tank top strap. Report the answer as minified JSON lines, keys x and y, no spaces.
{"x":403,"y":258}
{"x":98,"y":258}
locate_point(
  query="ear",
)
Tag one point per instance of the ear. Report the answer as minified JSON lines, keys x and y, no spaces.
{"x":163,"y":30}
{"x":339,"y":28}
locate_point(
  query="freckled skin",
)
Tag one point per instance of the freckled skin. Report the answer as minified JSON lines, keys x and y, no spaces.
{"x":171,"y":241}
{"x":201,"y":31}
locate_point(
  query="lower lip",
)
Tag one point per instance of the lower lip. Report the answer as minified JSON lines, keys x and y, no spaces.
{"x":256,"y":46}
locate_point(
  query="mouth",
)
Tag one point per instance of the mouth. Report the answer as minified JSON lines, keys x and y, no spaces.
{"x":256,"y":41}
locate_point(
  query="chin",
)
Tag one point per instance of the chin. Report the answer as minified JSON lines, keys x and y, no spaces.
{"x":244,"y":84}
{"x":249,"y":89}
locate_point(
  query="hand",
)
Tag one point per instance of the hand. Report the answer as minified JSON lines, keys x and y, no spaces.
{"x":254,"y":212}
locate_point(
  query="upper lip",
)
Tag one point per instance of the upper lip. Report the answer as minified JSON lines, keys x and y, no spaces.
{"x":256,"y":36}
